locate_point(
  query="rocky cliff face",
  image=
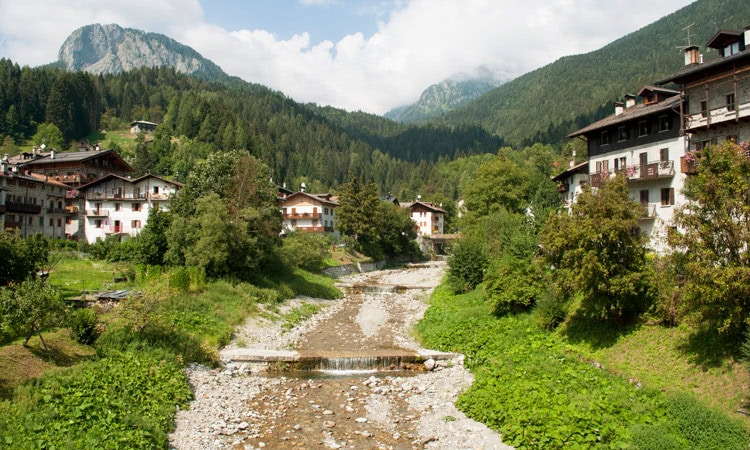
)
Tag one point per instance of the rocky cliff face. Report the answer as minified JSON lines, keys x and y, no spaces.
{"x":111,"y":49}
{"x":442,"y":97}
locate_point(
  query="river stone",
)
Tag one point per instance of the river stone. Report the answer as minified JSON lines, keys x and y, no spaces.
{"x":429,"y":364}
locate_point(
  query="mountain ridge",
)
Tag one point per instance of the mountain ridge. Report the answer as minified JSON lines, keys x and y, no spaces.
{"x":111,"y":49}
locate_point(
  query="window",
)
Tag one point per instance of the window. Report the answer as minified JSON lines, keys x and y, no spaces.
{"x":68,"y":221}
{"x":117,"y":206}
{"x":31,"y":221}
{"x":731,"y":49}
{"x":51,"y":222}
{"x":156,"y":189}
{"x":732,"y":138}
{"x":59,"y":222}
{"x":642,"y":128}
{"x":136,"y":207}
{"x":622,"y":134}
{"x":730,"y":102}
{"x":667,"y":196}
{"x":604,"y":138}
{"x":135,"y":224}
{"x":664,"y":154}
{"x":644,"y":197}
{"x":664,"y":123}
{"x":98,"y":223}
{"x":704,"y":109}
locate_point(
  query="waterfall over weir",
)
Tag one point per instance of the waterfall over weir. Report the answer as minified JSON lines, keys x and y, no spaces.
{"x":396,"y":360}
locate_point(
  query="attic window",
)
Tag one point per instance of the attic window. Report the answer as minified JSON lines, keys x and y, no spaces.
{"x":731,"y":49}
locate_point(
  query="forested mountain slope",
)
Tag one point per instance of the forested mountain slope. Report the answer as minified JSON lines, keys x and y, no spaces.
{"x":546,"y":104}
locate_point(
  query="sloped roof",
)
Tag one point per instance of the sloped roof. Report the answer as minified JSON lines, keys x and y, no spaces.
{"x":128,"y":180}
{"x":427,"y":205}
{"x":75,"y":157}
{"x":322,"y":198}
{"x":634,"y":112}
{"x":696,"y":70}
{"x":573,"y":170}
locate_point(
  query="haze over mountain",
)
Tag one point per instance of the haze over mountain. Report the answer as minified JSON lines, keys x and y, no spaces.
{"x":445,"y":96}
{"x":111,"y":49}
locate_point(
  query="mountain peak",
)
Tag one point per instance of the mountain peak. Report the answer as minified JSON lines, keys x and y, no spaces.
{"x":111,"y":49}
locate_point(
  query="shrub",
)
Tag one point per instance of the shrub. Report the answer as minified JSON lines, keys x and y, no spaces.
{"x":551,"y":309}
{"x":304,"y":250}
{"x":179,"y":279}
{"x":513,"y":285}
{"x":466,"y":265}
{"x":704,"y":427}
{"x":84,"y":326}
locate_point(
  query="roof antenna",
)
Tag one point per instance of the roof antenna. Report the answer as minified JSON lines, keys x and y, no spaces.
{"x":689,"y":36}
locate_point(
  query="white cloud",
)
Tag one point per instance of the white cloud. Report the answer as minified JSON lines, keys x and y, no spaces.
{"x":418,"y":43}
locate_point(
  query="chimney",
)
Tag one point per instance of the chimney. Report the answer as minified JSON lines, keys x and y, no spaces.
{"x":33,"y":151}
{"x":619,"y":108}
{"x":692,"y":56}
{"x":573,"y":159}
{"x":302,"y":187}
{"x":629,"y":101}
{"x":52,"y":154}
{"x":746,"y":34}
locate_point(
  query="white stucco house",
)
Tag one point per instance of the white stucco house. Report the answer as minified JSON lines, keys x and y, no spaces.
{"x":116,"y":205}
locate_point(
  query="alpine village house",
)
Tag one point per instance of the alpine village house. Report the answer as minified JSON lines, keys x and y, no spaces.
{"x":654,"y":141}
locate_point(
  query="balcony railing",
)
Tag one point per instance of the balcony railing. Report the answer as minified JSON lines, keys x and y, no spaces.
{"x":97,"y":213}
{"x":294,"y":216}
{"x":715,"y":116}
{"x":57,"y":211}
{"x":2,"y":209}
{"x":637,"y":172}
{"x":12,"y":224}
{"x":23,"y":208}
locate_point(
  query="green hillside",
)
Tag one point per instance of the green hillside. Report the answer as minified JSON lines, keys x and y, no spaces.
{"x":546,"y":104}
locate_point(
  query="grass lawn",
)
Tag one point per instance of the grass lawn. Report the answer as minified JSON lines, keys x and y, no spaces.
{"x":661,"y":358}
{"x":19,"y":363}
{"x":73,"y":275}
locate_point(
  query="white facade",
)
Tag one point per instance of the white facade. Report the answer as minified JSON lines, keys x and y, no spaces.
{"x":643,"y":141}
{"x":654,"y":180}
{"x":120,"y":206}
{"x":314,"y":213}
{"x":429,"y":219}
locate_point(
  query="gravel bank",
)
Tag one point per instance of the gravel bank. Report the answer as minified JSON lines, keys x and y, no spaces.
{"x":235,"y":407}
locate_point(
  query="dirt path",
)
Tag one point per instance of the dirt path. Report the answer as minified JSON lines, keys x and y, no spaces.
{"x":235,"y":408}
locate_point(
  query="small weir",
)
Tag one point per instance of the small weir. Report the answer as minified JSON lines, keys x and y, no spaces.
{"x":397,"y":360}
{"x":376,"y":288}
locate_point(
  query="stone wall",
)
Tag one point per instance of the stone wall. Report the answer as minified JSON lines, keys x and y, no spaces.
{"x":348,"y":269}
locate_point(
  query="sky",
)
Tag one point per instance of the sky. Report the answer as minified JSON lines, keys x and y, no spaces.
{"x":358,"y":55}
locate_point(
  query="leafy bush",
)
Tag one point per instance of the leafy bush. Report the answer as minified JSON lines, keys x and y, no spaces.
{"x":704,"y":427}
{"x":124,"y":401}
{"x":551,"y":309}
{"x":179,"y":279}
{"x":84,"y":326}
{"x":304,"y":250}
{"x":466,"y":265}
{"x":513,"y":285}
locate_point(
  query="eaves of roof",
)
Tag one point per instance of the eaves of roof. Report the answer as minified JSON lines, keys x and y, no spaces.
{"x":632,"y":113}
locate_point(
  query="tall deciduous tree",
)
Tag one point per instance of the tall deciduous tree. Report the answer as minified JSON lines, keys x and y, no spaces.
{"x":599,"y":251}
{"x":716,"y":225}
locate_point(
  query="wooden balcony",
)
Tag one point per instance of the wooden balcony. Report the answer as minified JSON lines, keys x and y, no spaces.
{"x":716,"y":116}
{"x":688,"y":166}
{"x":12,"y":224}
{"x":2,"y":209}
{"x":637,"y":172}
{"x":295,"y":216}
{"x":22,"y":208}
